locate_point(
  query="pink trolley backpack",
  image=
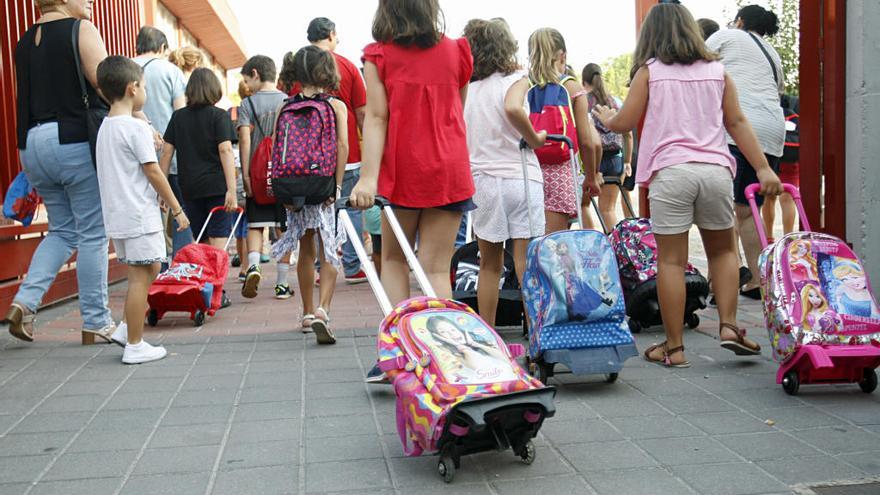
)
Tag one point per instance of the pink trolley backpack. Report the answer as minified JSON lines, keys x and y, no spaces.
{"x":821,"y":315}
{"x":459,"y":388}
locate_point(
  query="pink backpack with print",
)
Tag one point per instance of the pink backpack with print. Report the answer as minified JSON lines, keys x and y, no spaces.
{"x":304,"y":153}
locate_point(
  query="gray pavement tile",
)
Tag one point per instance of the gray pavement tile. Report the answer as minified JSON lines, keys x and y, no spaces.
{"x":274,"y":480}
{"x":726,"y":422}
{"x":554,"y":484}
{"x":177,"y":460}
{"x":685,"y":451}
{"x":195,"y":415}
{"x":351,"y":389}
{"x":644,"y":481}
{"x":125,"y":420}
{"x":71,"y":403}
{"x":87,"y":465}
{"x":263,"y":411}
{"x":17,"y":405}
{"x":227,"y":358}
{"x":23,"y":469}
{"x":33,"y":443}
{"x":26,"y":390}
{"x":7,"y":420}
{"x":728,"y":479}
{"x":669,"y":386}
{"x":167,"y":484}
{"x":760,"y":399}
{"x":601,"y":456}
{"x":169,"y":384}
{"x":571,"y":410}
{"x":766,"y":445}
{"x":49,"y":422}
{"x":338,"y":407}
{"x":347,"y":475}
{"x":336,"y":363}
{"x":421,"y":472}
{"x":504,"y":465}
{"x":213,"y":382}
{"x":167,"y":369}
{"x":292,"y":370}
{"x":204,"y":397}
{"x":97,"y":387}
{"x":217,"y":369}
{"x":810,"y":470}
{"x":587,"y":430}
{"x":611,"y":407}
{"x":139,"y":400}
{"x":697,"y":402}
{"x":868,"y":462}
{"x":335,"y":376}
{"x":269,"y":453}
{"x":859,"y":412}
{"x":343,"y":448}
{"x":290,"y":356}
{"x":90,"y":486}
{"x":273,"y":393}
{"x":732,"y":382}
{"x":263,"y":431}
{"x":654,"y":427}
{"x":100,"y":370}
{"x":340,"y":426}
{"x":840,"y":439}
{"x":221,"y":347}
{"x":277,"y":378}
{"x":187,"y":436}
{"x":797,"y":418}
{"x":94,"y":439}
{"x":457,"y":487}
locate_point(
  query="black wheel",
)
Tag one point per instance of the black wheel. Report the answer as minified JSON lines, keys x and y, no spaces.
{"x":634,"y":326}
{"x":869,"y":382}
{"x":545,"y":371}
{"x":791,"y":383}
{"x":611,"y":377}
{"x":692,"y":320}
{"x":446,"y":469}
{"x":527,"y":453}
{"x":153,"y":318}
{"x":199,"y":318}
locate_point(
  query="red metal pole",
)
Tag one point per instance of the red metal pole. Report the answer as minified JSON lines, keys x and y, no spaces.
{"x":811,"y":108}
{"x":834,"y":117}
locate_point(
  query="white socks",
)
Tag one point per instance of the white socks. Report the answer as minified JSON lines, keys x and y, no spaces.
{"x":253,"y":258}
{"x":283,"y":271}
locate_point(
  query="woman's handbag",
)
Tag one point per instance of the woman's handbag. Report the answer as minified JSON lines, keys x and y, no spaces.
{"x":95,"y":111}
{"x":21,"y":200}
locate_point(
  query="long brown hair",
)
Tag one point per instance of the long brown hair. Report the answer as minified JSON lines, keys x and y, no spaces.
{"x":543,"y":46}
{"x":409,"y":22}
{"x":592,"y":75}
{"x":670,"y":35}
{"x":493,"y":47}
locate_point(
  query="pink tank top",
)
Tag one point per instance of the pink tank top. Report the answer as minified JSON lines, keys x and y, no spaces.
{"x":684,"y":121}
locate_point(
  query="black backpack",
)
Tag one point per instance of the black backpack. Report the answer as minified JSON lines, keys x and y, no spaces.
{"x":791,"y":107}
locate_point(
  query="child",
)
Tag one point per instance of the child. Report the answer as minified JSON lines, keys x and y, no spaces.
{"x":315,"y":70}
{"x":497,"y":119}
{"x":129,"y":179}
{"x":256,"y":119}
{"x":547,"y":56}
{"x":417,"y":81}
{"x":202,"y":136}
{"x":690,"y":169}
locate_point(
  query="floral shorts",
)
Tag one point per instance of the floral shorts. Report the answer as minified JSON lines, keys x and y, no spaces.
{"x":560,"y":193}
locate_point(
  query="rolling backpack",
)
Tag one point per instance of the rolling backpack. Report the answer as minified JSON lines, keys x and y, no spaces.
{"x":550,"y":110}
{"x":261,"y":165}
{"x":304,"y":154}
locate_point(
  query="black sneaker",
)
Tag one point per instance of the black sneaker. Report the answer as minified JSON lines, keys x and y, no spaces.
{"x":751,"y":294}
{"x":225,"y":302}
{"x":236,"y":261}
{"x":251,"y":282}
{"x":745,"y":275}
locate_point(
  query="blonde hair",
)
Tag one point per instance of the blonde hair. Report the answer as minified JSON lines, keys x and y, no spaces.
{"x":846,"y":270}
{"x":807,"y":306}
{"x":794,"y":255}
{"x":544,"y":44}
{"x":188,"y":58}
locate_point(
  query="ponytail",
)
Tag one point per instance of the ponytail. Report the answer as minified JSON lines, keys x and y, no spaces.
{"x":758,"y":19}
{"x":592,"y":75}
{"x":544,"y":44}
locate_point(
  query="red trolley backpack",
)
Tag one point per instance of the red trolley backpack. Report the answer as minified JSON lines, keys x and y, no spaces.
{"x":304,"y":154}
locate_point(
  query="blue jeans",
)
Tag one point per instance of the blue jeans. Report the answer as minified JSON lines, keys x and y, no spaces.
{"x":461,"y":236}
{"x":64,"y":176}
{"x":350,"y":263}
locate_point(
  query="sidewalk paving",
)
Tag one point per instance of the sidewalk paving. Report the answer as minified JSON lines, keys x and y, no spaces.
{"x":248,"y":405}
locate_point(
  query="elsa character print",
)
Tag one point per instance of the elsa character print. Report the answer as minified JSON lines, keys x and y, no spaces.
{"x":580,"y":297}
{"x":474,"y":362}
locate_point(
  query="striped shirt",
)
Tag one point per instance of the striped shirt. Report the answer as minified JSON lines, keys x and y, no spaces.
{"x":758,"y":91}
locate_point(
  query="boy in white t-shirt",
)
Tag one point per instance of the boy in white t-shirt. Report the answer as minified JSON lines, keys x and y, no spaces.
{"x":129,"y":178}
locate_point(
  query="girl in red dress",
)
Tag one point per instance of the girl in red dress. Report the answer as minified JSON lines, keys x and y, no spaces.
{"x":414,"y":145}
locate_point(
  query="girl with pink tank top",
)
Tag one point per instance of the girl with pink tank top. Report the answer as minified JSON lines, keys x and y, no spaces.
{"x":688,"y":101}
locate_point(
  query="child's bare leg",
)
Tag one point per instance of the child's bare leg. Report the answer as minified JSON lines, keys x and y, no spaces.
{"x":395,"y":271}
{"x":305,"y":271}
{"x":788,"y":212}
{"x":672,"y":254}
{"x":328,"y":278}
{"x":437,"y":230}
{"x":139,"y":279}
{"x":555,"y":222}
{"x":768,"y":215}
{"x":608,"y":205}
{"x":491,"y":266}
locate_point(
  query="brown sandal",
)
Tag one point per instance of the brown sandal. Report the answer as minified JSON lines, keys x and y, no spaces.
{"x":21,"y":322}
{"x":666,"y":353}
{"x":738,"y":345}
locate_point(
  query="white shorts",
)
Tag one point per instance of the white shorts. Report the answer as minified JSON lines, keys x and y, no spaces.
{"x":698,"y":194}
{"x":144,"y":250}
{"x":503,"y":213}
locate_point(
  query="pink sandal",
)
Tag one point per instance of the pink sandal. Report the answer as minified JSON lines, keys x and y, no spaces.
{"x":666,"y":362}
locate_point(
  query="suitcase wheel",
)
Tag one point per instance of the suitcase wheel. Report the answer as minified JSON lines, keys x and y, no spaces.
{"x":791,"y":382}
{"x":446,"y":468}
{"x":199,"y":318}
{"x":869,"y":382}
{"x":527,"y":453}
{"x":692,"y":320}
{"x":153,"y":318}
{"x":634,"y":326}
{"x":611,"y":377}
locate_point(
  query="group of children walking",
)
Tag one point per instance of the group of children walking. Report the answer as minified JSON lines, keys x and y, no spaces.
{"x":441,"y":137}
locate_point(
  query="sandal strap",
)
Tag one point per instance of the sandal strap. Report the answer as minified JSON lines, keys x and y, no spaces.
{"x":674,"y":350}
{"x":326,"y":317}
{"x":740,"y":332}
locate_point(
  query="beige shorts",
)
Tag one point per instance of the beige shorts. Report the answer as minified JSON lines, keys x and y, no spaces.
{"x":144,"y":250}
{"x":502,"y":209}
{"x":698,"y":194}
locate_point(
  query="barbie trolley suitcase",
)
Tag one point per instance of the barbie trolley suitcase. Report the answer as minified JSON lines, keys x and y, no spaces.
{"x":459,"y":388}
{"x":823,"y":321}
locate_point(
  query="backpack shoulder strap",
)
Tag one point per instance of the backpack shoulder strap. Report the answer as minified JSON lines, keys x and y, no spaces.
{"x":766,"y":54}
{"x":256,"y":117}
{"x":74,"y":35}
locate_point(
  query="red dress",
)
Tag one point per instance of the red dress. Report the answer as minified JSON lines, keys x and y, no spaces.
{"x":426,"y":162}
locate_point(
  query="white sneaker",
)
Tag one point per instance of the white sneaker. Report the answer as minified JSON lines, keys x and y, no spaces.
{"x":120,"y":336}
{"x":142,"y":353}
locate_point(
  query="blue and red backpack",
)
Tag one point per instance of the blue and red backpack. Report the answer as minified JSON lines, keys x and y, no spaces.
{"x":304,"y":154}
{"x":550,"y":110}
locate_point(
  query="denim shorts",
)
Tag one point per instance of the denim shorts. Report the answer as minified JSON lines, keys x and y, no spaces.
{"x":611,"y":164}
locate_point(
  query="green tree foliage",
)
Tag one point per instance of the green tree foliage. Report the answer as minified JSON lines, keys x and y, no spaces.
{"x":615,"y":72}
{"x":787,"y":40}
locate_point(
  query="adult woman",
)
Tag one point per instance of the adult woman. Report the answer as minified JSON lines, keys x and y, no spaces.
{"x":188,"y":59}
{"x":756,"y":69}
{"x":54,"y":150}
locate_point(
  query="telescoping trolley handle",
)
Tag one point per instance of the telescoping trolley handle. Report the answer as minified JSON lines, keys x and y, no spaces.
{"x":754,"y":189}
{"x":559,"y":138}
{"x":240,"y":211}
{"x":367,"y":264}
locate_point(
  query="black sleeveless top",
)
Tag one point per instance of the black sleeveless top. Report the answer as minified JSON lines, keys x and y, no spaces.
{"x":47,"y":83}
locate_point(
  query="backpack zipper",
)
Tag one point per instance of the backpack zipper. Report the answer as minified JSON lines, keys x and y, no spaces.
{"x":284,"y":150}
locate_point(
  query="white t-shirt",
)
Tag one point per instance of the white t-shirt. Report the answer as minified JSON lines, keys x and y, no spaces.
{"x":492,"y":140}
{"x":129,"y":202}
{"x":758,"y":91}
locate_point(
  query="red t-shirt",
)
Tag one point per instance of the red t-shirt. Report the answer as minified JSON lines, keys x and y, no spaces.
{"x":353,"y":93}
{"x":426,"y":162}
